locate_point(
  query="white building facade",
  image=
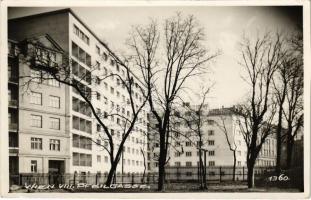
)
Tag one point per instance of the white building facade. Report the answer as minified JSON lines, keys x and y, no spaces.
{"x":78,"y":132}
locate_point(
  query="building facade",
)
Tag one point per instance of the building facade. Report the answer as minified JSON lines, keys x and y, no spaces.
{"x":220,"y":131}
{"x":38,"y":133}
{"x":76,"y":132}
{"x":217,"y":124}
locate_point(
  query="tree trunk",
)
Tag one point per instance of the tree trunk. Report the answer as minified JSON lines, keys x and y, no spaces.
{"x":144,"y":174}
{"x":161,"y":164}
{"x":201,"y":169}
{"x":250,"y":174}
{"x":279,"y":138}
{"x":234,"y":165}
{"x":114,"y":164}
{"x":278,"y":152}
{"x":289,"y":155}
{"x":111,"y":173}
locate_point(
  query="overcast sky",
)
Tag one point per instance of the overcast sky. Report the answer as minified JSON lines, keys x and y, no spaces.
{"x":223,"y":26}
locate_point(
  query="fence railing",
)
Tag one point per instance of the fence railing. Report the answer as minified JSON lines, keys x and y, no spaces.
{"x":172,"y":175}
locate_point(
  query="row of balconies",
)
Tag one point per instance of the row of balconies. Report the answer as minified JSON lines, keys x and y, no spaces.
{"x":13,"y":102}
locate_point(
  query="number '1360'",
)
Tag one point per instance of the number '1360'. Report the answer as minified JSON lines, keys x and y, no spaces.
{"x":282,"y":177}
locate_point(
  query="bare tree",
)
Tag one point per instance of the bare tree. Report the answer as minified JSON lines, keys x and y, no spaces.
{"x":165,"y":66}
{"x":294,"y":96}
{"x":260,"y":59}
{"x":231,"y":143}
{"x":42,"y":63}
{"x":280,"y":89}
{"x":288,"y":86}
{"x":195,"y":118}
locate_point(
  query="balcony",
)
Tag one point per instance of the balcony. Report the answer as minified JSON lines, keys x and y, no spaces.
{"x":13,"y":49}
{"x":13,"y":127}
{"x":13,"y":103}
{"x":13,"y":144}
{"x":13,"y":151}
{"x":12,"y":78}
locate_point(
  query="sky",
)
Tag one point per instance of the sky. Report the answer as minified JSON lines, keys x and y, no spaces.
{"x":223,"y":27}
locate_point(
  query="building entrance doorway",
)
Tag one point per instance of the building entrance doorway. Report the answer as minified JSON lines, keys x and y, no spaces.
{"x":56,"y":172}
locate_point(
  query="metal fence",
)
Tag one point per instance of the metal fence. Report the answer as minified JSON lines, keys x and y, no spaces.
{"x":173,"y":175}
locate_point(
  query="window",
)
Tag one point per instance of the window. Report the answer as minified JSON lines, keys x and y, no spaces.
{"x":97,"y":50}
{"x":239,"y":163}
{"x":211,"y":173}
{"x":81,"y":159}
{"x":99,"y":158}
{"x":54,"y":101}
{"x":105,"y":56}
{"x":36,"y":98}
{"x":188,"y":144}
{"x":75,"y":159}
{"x":80,"y":34}
{"x":98,"y":127}
{"x":97,"y":96}
{"x":36,"y":143}
{"x":239,"y":153}
{"x":76,"y":30}
{"x":211,"y":142}
{"x":188,"y":173}
{"x":81,"y":107}
{"x":34,"y":166}
{"x":81,"y":72}
{"x":36,"y":76}
{"x":36,"y":121}
{"x":188,"y":153}
{"x":97,"y":65}
{"x":112,"y":62}
{"x":111,"y":90}
{"x":211,"y":153}
{"x":81,"y":55}
{"x":211,"y":132}
{"x":188,"y":164}
{"x":81,"y":124}
{"x":54,"y":123}
{"x":211,"y":163}
{"x":105,"y":100}
{"x":54,"y":145}
{"x":210,"y":122}
{"x":51,"y":81}
{"x":97,"y":80}
{"x":177,"y":164}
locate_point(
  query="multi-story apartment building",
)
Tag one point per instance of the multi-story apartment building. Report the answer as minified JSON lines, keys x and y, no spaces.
{"x":39,"y":132}
{"x":78,"y":129}
{"x":219,"y":130}
{"x":217,"y":123}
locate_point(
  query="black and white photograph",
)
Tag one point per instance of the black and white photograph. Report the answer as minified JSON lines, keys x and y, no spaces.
{"x":155,"y":97}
